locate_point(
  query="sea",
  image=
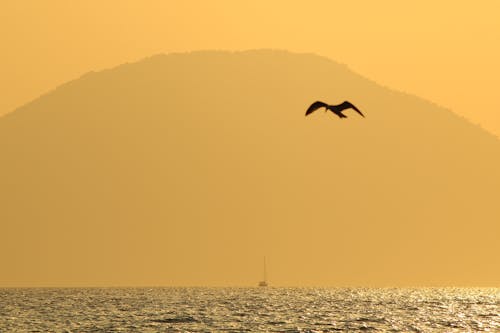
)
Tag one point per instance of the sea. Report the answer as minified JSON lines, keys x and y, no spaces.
{"x":267,"y":309}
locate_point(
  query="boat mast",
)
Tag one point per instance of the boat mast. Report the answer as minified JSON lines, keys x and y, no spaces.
{"x":263,"y":283}
{"x":265,"y":270}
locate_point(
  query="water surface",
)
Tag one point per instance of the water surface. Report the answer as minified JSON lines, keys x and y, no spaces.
{"x":249,"y":310}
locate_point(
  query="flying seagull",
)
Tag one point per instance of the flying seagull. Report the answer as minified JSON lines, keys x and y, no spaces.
{"x":337,"y":109}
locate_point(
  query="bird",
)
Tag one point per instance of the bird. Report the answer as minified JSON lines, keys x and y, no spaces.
{"x":337,"y":109}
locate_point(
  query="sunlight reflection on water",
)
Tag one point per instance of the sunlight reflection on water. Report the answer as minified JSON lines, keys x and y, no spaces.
{"x":249,"y":309}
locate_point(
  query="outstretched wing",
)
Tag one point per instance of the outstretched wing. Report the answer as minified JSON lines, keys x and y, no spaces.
{"x":348,"y":105}
{"x":314,"y":106}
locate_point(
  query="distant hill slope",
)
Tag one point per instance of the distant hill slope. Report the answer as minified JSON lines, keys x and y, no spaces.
{"x":188,"y":168}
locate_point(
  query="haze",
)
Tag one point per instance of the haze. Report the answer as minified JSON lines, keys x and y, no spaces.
{"x":138,"y":175}
{"x":188,"y":169}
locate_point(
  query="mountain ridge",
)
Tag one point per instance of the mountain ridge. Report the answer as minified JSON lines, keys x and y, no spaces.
{"x":201,"y":52}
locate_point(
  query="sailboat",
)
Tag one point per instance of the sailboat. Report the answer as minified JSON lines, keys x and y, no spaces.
{"x":263,"y":283}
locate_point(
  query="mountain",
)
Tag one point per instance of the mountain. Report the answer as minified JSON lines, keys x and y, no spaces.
{"x":186,"y":169}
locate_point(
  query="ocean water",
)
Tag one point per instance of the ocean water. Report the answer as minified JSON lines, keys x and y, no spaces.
{"x":249,"y":310}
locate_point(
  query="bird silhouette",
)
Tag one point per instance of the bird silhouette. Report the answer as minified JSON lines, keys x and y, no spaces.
{"x":337,"y":109}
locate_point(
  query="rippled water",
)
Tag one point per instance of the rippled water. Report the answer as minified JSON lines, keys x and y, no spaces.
{"x":249,"y":309}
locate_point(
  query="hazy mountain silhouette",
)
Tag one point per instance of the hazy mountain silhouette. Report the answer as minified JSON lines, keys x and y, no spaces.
{"x":188,"y":168}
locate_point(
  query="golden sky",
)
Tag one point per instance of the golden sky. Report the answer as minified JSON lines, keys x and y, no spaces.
{"x":445,"y":51}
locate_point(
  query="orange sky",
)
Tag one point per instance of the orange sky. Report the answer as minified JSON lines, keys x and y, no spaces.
{"x":444,"y":51}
